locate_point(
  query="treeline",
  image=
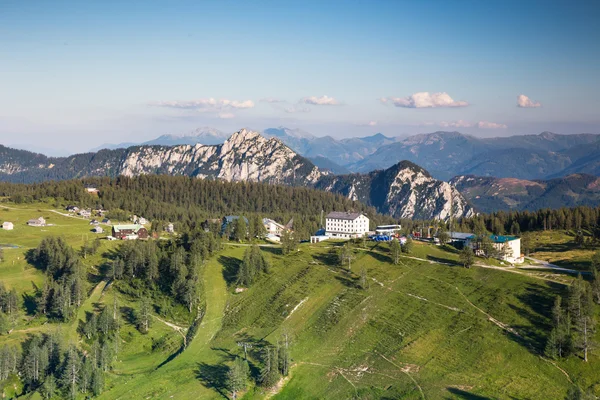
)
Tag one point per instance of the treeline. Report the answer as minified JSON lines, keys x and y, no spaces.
{"x":9,"y":308}
{"x":574,"y":323}
{"x":275,"y":360}
{"x":168,"y":267}
{"x":190,"y":201}
{"x":46,"y":365}
{"x":64,"y":288}
{"x":517,"y":222}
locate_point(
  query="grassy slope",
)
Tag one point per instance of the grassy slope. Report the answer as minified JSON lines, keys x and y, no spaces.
{"x":558,"y":247}
{"x":419,"y":330}
{"x":178,"y":378}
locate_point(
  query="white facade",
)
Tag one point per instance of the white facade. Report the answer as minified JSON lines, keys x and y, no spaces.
{"x":513,"y":250}
{"x":8,"y":226}
{"x":273,"y":227}
{"x":344,"y":225}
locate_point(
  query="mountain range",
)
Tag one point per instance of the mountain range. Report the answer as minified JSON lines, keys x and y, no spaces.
{"x":448,"y":154}
{"x":204,"y":135}
{"x":403,"y":190}
{"x":444,"y":154}
{"x":489,"y":194}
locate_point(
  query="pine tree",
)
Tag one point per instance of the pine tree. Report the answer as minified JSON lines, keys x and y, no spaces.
{"x":284,"y":353}
{"x":97,"y":381}
{"x":364,"y":283}
{"x":467,"y":258}
{"x":345,"y":255}
{"x":408,"y":246}
{"x":269,"y":374}
{"x":395,"y":249}
{"x":144,"y":315}
{"x":70,"y":377}
{"x":48,"y":389}
{"x":237,"y":376}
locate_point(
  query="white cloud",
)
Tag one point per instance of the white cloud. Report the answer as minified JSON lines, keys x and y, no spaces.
{"x":272,"y":100}
{"x":320,"y":101}
{"x":370,"y":123}
{"x":206,"y":105}
{"x":225,"y":115}
{"x":466,"y":124}
{"x":424,"y":100}
{"x":490,"y":125}
{"x":525,"y":102}
{"x":292,"y":110}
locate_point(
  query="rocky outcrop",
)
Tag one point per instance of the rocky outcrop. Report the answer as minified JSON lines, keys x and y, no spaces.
{"x":404,"y":191}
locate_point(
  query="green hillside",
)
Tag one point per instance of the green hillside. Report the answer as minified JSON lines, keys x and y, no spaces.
{"x":424,"y":329}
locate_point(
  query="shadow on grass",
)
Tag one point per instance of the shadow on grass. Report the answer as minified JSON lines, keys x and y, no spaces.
{"x":380,"y":257}
{"x":277,"y":251}
{"x":29,"y":301}
{"x":446,"y":261}
{"x":128,"y":314}
{"x":213,"y":377}
{"x":466,"y":395}
{"x":347,"y":281}
{"x":539,"y":300}
{"x":328,"y":258}
{"x":231,"y":265}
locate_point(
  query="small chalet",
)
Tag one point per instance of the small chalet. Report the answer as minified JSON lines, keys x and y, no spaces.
{"x":91,"y":189}
{"x":170,"y":228}
{"x":132,"y":231}
{"x":37,"y":222}
{"x":7,"y":226}
{"x":98,"y":229}
{"x":106,"y":221}
{"x":273,"y":227}
{"x":94,"y":222}
{"x":85,"y":213}
{"x":72,"y":209}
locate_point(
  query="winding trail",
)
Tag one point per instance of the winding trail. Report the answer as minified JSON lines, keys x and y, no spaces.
{"x":179,"y":378}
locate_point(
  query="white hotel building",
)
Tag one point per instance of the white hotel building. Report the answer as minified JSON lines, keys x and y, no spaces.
{"x":344,"y":225}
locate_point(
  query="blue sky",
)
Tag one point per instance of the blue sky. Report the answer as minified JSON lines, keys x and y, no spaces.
{"x":74,"y":75}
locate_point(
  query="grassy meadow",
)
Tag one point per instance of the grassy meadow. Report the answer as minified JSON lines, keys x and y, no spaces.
{"x":424,"y":329}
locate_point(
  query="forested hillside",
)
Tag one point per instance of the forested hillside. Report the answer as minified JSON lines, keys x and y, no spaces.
{"x":189,"y":201}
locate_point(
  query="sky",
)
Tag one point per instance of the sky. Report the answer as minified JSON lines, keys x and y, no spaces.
{"x":75,"y":75}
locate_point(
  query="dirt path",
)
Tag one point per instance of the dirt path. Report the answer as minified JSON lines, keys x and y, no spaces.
{"x":405,"y":371}
{"x":503,"y":269}
{"x":546,"y":265}
{"x":249,"y":244}
{"x":179,"y":329}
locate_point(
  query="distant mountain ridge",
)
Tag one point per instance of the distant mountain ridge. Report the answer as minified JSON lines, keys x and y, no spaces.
{"x":447,"y":154}
{"x":204,"y":135}
{"x":489,"y":194}
{"x":404,"y":190}
{"x":340,"y":151}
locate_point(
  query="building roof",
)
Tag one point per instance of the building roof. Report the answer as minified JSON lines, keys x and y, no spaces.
{"x":462,"y":235}
{"x":502,"y":238}
{"x":343,"y":215}
{"x":129,"y":227}
{"x":230,"y":218}
{"x":270,"y":221}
